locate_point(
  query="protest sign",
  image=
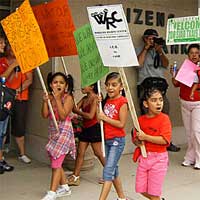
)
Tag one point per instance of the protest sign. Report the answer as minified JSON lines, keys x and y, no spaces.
{"x":183,"y":30}
{"x":57,"y":27}
{"x":186,"y":74}
{"x":112,"y":35}
{"x":25,"y":38}
{"x":92,"y":68}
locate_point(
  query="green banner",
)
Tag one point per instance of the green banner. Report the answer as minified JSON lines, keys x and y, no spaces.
{"x":92,"y":68}
{"x":183,"y":30}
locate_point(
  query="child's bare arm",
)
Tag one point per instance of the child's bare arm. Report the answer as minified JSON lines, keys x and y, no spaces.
{"x":153,"y":139}
{"x":45,"y":108}
{"x":93,"y":110}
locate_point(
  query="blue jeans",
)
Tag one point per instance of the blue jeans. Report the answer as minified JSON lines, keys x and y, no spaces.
{"x":3,"y":128}
{"x":113,"y":149}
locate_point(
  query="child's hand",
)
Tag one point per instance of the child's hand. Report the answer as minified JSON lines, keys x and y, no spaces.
{"x":137,"y":142}
{"x":99,"y":98}
{"x":45,"y":97}
{"x":101,"y":116}
{"x":141,"y":135}
{"x":57,"y":94}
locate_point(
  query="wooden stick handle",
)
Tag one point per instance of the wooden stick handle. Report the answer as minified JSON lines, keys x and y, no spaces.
{"x":131,"y":107}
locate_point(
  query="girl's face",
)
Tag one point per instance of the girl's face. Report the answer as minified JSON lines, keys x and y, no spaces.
{"x":113,"y":88}
{"x":86,"y":89}
{"x":58,"y":84}
{"x":2,"y":45}
{"x":154,"y":104}
{"x":193,"y":55}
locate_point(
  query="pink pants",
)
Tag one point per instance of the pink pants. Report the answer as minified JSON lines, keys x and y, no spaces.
{"x":57,"y":163}
{"x":151,"y":172}
{"x":191,"y":120}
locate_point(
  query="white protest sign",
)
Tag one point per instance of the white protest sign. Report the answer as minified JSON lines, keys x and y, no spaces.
{"x":183,"y":30}
{"x":112,"y":35}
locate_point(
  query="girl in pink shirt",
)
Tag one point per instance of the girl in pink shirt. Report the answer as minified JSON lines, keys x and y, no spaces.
{"x":62,"y":142}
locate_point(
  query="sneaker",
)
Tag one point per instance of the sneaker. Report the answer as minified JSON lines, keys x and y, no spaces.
{"x":197,"y":166}
{"x":63,"y":191}
{"x":6,"y":167}
{"x":24,"y":159}
{"x":187,"y":163}
{"x":74,"y":180}
{"x":49,"y":196}
{"x":173,"y":148}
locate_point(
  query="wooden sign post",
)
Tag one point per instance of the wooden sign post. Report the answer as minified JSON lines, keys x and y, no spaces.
{"x":131,"y":107}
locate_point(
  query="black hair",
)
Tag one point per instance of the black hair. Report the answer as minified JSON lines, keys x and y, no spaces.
{"x":193,"y":46}
{"x":149,"y":92}
{"x":112,"y":75}
{"x":68,"y":79}
{"x":95,"y":88}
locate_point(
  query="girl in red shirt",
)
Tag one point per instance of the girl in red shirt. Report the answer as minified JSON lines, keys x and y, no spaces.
{"x":114,"y":117}
{"x":156,"y":134}
{"x":91,"y":133}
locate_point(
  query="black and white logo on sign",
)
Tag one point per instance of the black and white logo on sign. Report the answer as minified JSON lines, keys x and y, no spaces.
{"x":103,"y":18}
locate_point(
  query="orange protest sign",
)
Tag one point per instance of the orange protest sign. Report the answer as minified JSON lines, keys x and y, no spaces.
{"x":25,"y":38}
{"x":57,"y":27}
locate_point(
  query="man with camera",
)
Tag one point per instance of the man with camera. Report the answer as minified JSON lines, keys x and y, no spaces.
{"x":153,"y":62}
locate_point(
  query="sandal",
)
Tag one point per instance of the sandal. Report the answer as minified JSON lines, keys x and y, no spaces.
{"x":73,"y":180}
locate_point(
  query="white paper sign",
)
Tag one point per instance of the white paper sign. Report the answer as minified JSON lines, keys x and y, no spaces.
{"x":112,"y":35}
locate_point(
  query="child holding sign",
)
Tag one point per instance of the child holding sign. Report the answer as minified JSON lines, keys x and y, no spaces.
{"x":91,"y":133}
{"x":155,"y":133}
{"x":62,"y":142}
{"x":114,"y":117}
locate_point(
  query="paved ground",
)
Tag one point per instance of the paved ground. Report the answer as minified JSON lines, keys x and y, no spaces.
{"x":29,"y":182}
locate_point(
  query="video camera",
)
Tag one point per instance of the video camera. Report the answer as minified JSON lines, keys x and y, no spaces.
{"x":159,"y":41}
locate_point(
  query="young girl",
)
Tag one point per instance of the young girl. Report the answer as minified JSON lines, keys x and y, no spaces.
{"x":155,"y":133}
{"x":114,"y":117}
{"x":62,"y":142}
{"x":87,"y":108}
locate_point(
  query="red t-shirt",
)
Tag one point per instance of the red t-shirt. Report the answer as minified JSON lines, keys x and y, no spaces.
{"x":111,"y":109}
{"x":86,"y":122}
{"x":159,"y":125}
{"x":15,"y":81}
{"x":185,"y":92}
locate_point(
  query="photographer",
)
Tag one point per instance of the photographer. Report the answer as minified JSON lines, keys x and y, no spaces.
{"x":153,"y":62}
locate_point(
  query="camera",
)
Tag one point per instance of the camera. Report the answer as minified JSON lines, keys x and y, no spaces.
{"x":17,"y":69}
{"x":159,"y":41}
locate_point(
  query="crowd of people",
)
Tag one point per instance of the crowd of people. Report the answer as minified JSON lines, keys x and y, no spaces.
{"x":156,"y":128}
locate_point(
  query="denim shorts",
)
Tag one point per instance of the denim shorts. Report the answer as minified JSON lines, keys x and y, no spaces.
{"x":3,"y":128}
{"x":113,"y":148}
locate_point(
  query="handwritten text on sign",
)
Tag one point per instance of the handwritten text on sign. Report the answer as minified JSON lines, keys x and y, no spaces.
{"x":57,"y":27}
{"x":25,"y":38}
{"x":92,"y":68}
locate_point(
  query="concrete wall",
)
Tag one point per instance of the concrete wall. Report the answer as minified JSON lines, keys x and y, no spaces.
{"x":37,"y":127}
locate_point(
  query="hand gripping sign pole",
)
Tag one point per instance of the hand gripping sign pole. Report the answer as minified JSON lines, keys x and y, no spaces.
{"x":131,"y":107}
{"x":101,"y":122}
{"x":49,"y":103}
